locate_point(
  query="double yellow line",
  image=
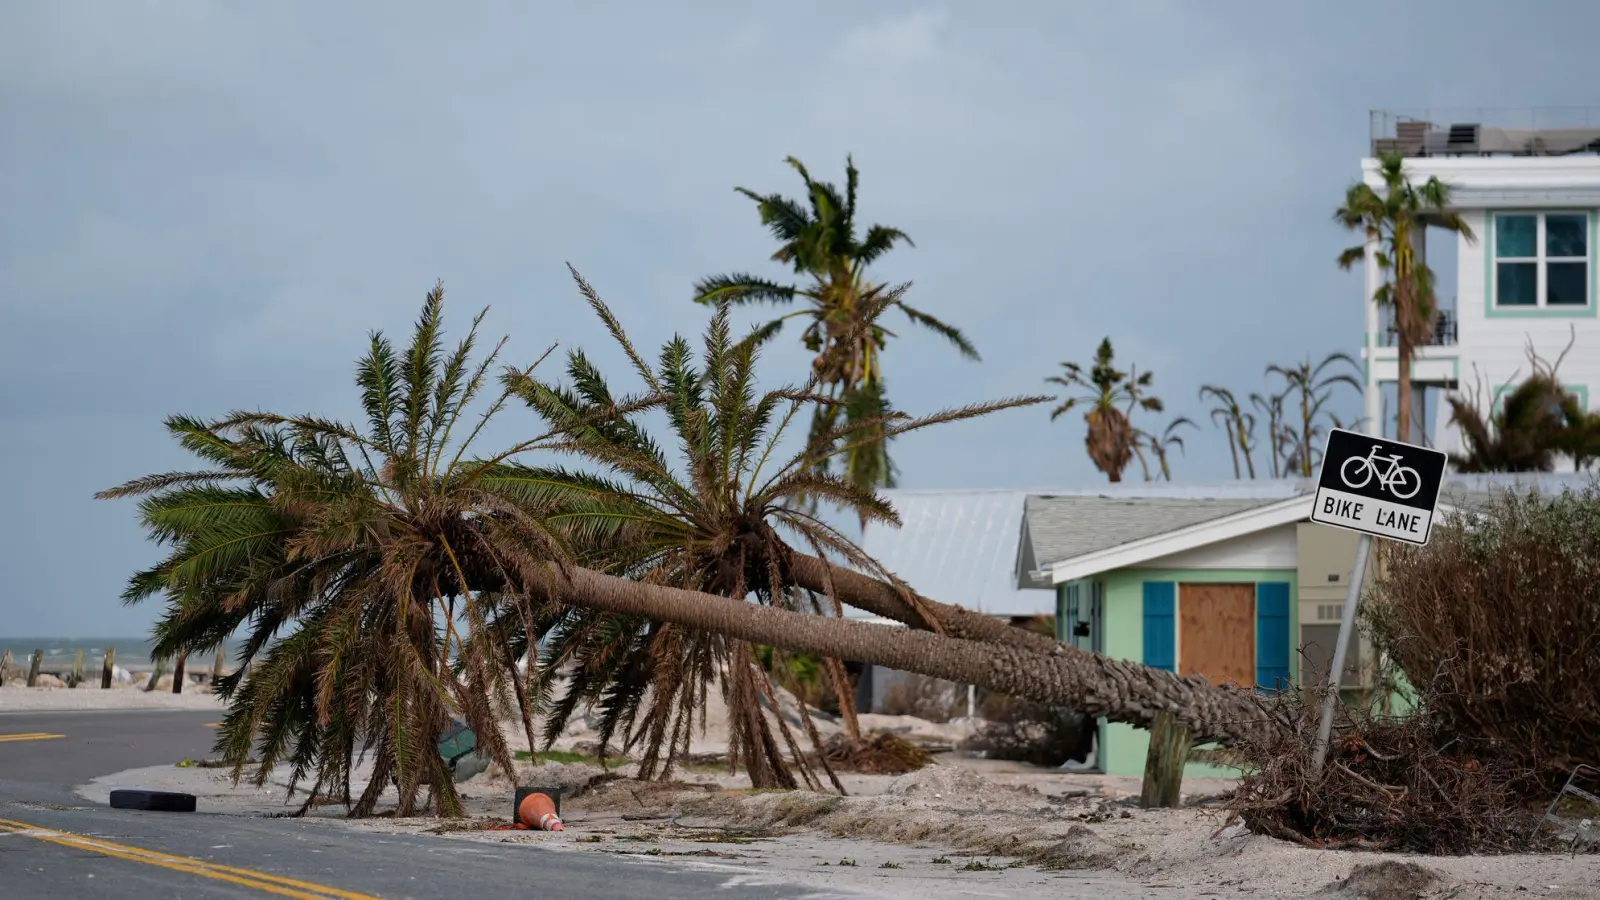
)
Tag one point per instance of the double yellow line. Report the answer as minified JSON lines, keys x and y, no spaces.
{"x":29,"y":736}
{"x":272,"y":884}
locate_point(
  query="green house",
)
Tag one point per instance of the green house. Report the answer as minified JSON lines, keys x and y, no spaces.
{"x":1208,"y":585}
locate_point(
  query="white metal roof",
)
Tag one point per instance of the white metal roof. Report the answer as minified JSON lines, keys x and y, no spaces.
{"x":959,"y":547}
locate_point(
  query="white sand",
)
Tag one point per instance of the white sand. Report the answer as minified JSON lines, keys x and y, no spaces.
{"x":25,"y":699}
{"x":950,"y":830}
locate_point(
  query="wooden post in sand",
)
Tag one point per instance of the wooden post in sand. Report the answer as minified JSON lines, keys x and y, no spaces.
{"x":5,"y":666}
{"x":108,"y":668}
{"x":77,"y":671}
{"x":155,"y":676}
{"x":33,"y":668}
{"x":177,"y":673}
{"x":216,"y":667}
{"x":1163,"y":767}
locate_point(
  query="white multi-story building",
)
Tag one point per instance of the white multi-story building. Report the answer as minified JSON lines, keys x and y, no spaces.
{"x":1525,"y":283}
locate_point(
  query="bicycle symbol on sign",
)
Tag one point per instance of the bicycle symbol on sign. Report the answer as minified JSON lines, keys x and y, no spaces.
{"x":1402,"y":481}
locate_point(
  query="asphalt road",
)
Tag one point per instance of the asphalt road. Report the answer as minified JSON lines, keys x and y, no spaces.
{"x":55,"y":845}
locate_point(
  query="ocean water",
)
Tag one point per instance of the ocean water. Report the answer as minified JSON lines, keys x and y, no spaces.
{"x":133,"y":654}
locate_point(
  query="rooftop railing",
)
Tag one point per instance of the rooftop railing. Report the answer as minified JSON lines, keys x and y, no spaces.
{"x":1530,"y":131}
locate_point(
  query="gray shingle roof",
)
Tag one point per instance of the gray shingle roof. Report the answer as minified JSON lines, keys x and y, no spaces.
{"x":1057,"y":528}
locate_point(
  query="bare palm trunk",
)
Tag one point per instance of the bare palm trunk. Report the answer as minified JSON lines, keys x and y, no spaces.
{"x":1233,"y":449}
{"x":864,"y":592}
{"x":1096,"y":686}
{"x":1403,"y":416}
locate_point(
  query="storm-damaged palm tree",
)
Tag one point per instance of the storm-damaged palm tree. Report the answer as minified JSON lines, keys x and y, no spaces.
{"x":1112,"y":396}
{"x":359,"y":562}
{"x":1310,"y":389}
{"x":819,"y":239}
{"x":1239,"y":425}
{"x":1160,"y":445}
{"x":721,"y":519}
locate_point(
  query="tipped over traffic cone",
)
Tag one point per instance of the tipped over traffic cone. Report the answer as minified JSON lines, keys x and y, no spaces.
{"x":538,"y":811}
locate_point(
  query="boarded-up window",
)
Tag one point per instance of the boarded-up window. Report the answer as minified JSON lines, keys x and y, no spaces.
{"x":1216,"y":632}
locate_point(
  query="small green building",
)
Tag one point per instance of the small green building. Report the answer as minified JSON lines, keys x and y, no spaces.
{"x":1206,"y":585}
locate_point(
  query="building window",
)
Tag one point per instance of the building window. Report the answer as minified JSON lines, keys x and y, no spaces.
{"x":1541,"y":260}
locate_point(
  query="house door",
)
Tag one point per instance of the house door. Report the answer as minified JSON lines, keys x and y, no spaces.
{"x":1217,"y":632}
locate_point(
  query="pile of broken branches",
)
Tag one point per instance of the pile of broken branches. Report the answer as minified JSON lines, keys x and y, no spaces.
{"x":1389,"y":784}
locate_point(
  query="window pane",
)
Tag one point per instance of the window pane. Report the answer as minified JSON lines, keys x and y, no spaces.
{"x":1516,"y":236}
{"x":1566,"y":235}
{"x":1565,"y":284}
{"x":1517,"y":285}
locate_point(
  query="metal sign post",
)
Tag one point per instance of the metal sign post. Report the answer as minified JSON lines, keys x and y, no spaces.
{"x":1378,"y":488}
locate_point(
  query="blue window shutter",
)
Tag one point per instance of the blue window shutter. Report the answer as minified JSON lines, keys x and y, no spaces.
{"x":1272,"y":635}
{"x":1160,"y":625}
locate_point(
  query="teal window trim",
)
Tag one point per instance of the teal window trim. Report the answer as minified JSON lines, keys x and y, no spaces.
{"x":1540,"y":311}
{"x":1273,"y":640}
{"x":1500,"y":391}
{"x":1161,"y":625}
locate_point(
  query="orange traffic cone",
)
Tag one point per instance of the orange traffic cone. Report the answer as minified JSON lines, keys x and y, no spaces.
{"x":538,"y":811}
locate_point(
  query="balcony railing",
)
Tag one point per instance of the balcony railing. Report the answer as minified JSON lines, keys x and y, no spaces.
{"x":1442,"y":334}
{"x":1536,"y":131}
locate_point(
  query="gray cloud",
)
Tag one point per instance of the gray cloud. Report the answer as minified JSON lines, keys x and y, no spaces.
{"x":207,"y":205}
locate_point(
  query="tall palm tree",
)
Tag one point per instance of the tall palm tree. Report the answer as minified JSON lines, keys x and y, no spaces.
{"x":1240,"y":426}
{"x":818,"y":239}
{"x":357,"y":559}
{"x":1312,"y":387}
{"x":1396,"y":221}
{"x":723,"y":526}
{"x":1161,"y":444}
{"x":1112,"y":396}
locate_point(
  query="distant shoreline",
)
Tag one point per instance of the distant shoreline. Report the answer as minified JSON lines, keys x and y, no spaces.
{"x":132,"y":653}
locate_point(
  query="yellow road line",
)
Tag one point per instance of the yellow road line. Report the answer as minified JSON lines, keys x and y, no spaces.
{"x":272,"y":884}
{"x":35,"y":736}
{"x":213,"y":725}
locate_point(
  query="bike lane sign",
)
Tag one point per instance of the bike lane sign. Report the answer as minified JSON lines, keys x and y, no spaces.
{"x":1379,"y":487}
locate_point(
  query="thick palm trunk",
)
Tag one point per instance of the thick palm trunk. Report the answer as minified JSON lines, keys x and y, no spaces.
{"x":866,"y":593}
{"x":1094,"y":685}
{"x":1403,"y":415}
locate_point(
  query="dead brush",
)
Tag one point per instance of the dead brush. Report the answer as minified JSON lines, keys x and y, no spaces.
{"x":1389,"y":784}
{"x":881,"y":754}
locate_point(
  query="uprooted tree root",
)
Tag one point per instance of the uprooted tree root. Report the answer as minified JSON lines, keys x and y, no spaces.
{"x":882,"y":754}
{"x":1389,"y":784}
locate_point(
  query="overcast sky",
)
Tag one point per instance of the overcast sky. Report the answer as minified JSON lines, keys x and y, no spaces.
{"x":206,"y":206}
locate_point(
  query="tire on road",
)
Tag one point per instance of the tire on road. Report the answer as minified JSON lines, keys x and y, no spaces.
{"x":160,"y":801}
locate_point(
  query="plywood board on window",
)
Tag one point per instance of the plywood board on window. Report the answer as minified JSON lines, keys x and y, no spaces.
{"x":1217,"y":632}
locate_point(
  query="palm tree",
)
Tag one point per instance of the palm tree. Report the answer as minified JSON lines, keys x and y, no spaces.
{"x":379,"y":573}
{"x":1396,"y":221}
{"x":1112,"y":396}
{"x":724,"y":526}
{"x":1312,"y":385}
{"x":818,"y":239}
{"x":1278,"y":439}
{"x":1240,"y":426}
{"x":1162,"y":444}
{"x":358,"y":560}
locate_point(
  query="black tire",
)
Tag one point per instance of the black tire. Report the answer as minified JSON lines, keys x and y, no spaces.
{"x":160,"y":801}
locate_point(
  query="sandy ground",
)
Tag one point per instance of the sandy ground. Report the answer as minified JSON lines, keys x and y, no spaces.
{"x":45,"y":699}
{"x":960,"y":828}
{"x":963,"y":827}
